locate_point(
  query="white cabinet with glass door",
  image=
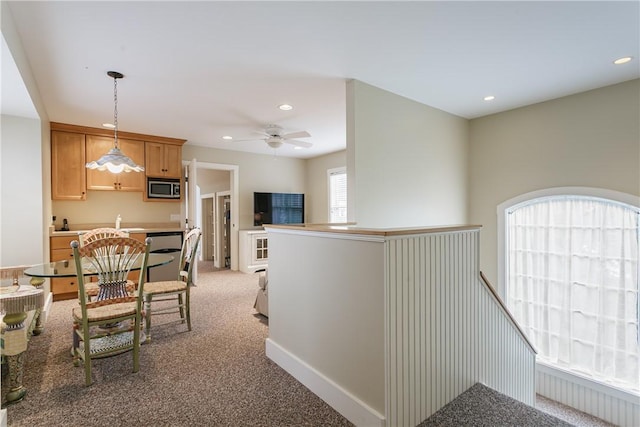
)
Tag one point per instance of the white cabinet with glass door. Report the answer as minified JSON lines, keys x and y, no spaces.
{"x":254,"y":250}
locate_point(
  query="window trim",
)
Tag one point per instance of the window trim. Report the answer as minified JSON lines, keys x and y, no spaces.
{"x":506,"y":206}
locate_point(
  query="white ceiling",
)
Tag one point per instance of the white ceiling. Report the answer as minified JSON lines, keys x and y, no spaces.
{"x":201,"y":70}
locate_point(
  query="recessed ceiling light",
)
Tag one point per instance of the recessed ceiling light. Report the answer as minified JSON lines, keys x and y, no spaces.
{"x":297,"y":148}
{"x":489,"y":98}
{"x":108,"y":125}
{"x":623,"y":60}
{"x":227,"y":137}
{"x":285,"y":107}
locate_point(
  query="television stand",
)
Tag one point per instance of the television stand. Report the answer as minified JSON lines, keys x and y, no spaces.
{"x":253,"y":249}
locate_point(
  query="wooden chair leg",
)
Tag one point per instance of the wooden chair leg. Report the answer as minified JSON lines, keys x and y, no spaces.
{"x":188,"y":308}
{"x":136,"y":343}
{"x":147,"y":322}
{"x":181,"y":307}
{"x":87,"y":358}
{"x":75,"y":349}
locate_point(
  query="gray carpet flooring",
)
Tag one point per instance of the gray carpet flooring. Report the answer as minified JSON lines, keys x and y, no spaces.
{"x":483,"y":406}
{"x":215,"y":375}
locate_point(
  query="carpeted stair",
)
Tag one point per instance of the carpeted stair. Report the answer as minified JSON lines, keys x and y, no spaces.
{"x":483,"y":406}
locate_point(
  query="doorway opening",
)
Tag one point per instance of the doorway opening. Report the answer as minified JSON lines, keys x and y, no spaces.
{"x":216,"y":229}
{"x":213,"y":207}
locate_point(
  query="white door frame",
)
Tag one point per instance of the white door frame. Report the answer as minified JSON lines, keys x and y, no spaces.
{"x":234,"y":177}
{"x":203,"y":198}
{"x":219,"y":211}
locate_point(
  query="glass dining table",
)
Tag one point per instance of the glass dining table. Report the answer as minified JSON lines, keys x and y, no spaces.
{"x":67,"y":268}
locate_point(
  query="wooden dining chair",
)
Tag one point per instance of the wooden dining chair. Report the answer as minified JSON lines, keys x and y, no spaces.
{"x":177,"y":292}
{"x":112,"y":323}
{"x":92,"y":288}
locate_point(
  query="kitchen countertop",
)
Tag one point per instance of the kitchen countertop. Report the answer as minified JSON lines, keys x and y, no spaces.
{"x":132,"y":228}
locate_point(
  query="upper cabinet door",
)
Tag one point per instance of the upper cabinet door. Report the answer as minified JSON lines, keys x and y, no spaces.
{"x":173,"y":161}
{"x":132,"y":181}
{"x":97,"y":146}
{"x":154,"y":159}
{"x":163,"y":160}
{"x":68,"y":166}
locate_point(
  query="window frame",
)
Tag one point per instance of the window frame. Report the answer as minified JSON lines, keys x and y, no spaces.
{"x":330,"y":172}
{"x":502,"y":245}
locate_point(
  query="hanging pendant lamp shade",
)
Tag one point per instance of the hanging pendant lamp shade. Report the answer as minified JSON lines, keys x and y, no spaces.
{"x":115,"y":161}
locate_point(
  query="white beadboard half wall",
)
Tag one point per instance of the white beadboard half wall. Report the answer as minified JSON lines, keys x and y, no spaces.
{"x":388,"y":326}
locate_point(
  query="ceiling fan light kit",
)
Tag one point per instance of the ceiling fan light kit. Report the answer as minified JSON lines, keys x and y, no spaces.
{"x":274,"y":141}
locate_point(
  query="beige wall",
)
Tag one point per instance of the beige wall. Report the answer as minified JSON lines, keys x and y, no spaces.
{"x":213,"y":181}
{"x":406,"y":162}
{"x":257,"y":172}
{"x":102,"y":207}
{"x":591,"y":139}
{"x":332,"y":322}
{"x":317,"y":194}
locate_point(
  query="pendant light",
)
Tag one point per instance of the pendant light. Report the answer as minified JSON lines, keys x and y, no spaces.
{"x":115,"y":161}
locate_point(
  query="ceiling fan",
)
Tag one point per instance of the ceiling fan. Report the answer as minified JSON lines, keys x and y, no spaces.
{"x":275,"y":136}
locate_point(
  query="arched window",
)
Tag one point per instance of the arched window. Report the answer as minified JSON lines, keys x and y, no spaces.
{"x":571,"y":279}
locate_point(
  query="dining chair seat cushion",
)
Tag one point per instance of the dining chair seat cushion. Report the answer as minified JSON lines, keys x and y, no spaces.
{"x":92,"y":288}
{"x":164,"y":287}
{"x":106,"y":312}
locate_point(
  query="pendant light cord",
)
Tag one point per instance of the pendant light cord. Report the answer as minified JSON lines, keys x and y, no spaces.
{"x":115,"y":111}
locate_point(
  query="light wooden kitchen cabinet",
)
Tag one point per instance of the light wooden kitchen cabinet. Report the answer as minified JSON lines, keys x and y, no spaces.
{"x":163,"y":160}
{"x":63,"y":287}
{"x":68,"y":178}
{"x":96,"y":146}
{"x":72,"y":146}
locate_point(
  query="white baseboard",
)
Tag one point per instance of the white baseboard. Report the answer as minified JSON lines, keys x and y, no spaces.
{"x":339,"y":399}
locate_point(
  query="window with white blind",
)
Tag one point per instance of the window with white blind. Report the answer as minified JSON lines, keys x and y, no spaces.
{"x":571,"y":280}
{"x":337,"y":194}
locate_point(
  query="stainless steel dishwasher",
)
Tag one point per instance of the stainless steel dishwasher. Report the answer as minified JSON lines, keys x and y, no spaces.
{"x":165,"y":242}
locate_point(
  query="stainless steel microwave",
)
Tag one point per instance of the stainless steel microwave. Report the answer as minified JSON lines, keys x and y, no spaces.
{"x":158,"y":188}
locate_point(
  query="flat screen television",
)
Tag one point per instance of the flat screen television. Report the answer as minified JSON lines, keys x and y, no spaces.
{"x":278,"y":208}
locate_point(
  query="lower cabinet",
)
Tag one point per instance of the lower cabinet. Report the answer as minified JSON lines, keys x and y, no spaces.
{"x":63,"y":287}
{"x":254,"y":250}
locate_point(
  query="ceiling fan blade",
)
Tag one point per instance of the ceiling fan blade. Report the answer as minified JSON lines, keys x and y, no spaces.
{"x":303,"y":144}
{"x":302,"y":134}
{"x":245,"y":140}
